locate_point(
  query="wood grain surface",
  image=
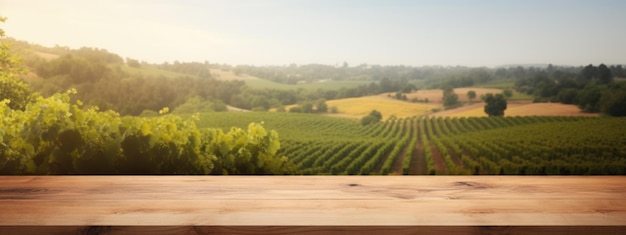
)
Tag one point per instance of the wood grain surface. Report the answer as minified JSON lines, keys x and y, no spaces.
{"x":313,"y":204}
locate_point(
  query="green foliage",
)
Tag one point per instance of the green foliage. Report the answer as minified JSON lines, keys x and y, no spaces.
{"x":603,"y":74}
{"x":588,"y":99}
{"x":251,"y":152}
{"x":408,"y":88}
{"x":13,"y":89}
{"x":504,"y":145}
{"x":613,"y":101}
{"x":110,"y":83}
{"x":568,"y":95}
{"x":400,"y":96}
{"x":614,"y":104}
{"x":495,"y":104}
{"x":591,"y":88}
{"x":369,"y":119}
{"x":307,"y":107}
{"x":450,"y":99}
{"x":52,"y":136}
{"x":471,"y":95}
{"x":105,"y":81}
{"x":377,"y":115}
{"x":373,"y":117}
{"x":318,"y":106}
{"x":321,"y":106}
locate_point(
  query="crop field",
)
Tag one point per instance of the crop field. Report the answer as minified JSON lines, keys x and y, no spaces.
{"x":422,"y":145}
{"x":517,"y":108}
{"x":359,"y":107}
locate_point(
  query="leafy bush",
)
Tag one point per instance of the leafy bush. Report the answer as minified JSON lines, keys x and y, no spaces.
{"x":52,"y":136}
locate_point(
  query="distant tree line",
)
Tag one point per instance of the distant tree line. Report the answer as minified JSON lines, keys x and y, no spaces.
{"x":592,"y":88}
{"x":201,"y":70}
{"x":294,"y":73}
{"x":110,"y":82}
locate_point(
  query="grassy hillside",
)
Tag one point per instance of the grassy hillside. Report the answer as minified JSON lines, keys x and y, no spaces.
{"x":258,"y":83}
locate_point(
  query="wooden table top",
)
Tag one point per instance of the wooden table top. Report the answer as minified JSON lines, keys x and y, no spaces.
{"x":313,"y":200}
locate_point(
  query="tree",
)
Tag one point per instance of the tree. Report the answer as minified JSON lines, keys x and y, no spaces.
{"x":588,"y":99}
{"x":471,"y":95}
{"x":495,"y":104}
{"x":567,"y":95}
{"x":369,"y":119}
{"x":618,"y":71}
{"x":613,"y":100}
{"x":376,"y":114}
{"x":11,"y":87}
{"x":408,"y":88}
{"x":603,"y":74}
{"x":450,"y":99}
{"x":386,"y":85}
{"x":588,"y":72}
{"x":613,"y":103}
{"x":398,"y":95}
{"x":373,"y":117}
{"x":307,"y":107}
{"x":321,"y":106}
{"x":15,"y":90}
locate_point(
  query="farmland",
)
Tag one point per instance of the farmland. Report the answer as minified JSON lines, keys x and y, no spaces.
{"x":359,"y":107}
{"x":422,"y":145}
{"x":356,"y":108}
{"x":517,"y":108}
{"x":414,"y":137}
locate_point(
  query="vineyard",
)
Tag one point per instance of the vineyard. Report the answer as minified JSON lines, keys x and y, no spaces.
{"x":53,"y":136}
{"x":432,"y":146}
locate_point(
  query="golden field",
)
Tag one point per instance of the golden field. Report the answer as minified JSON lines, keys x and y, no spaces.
{"x":362,"y":106}
{"x":358,"y":107}
{"x":517,"y":108}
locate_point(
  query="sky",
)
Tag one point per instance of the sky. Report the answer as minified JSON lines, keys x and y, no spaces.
{"x":283,"y":32}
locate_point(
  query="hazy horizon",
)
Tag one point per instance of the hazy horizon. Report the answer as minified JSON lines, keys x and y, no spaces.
{"x":281,"y":32}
